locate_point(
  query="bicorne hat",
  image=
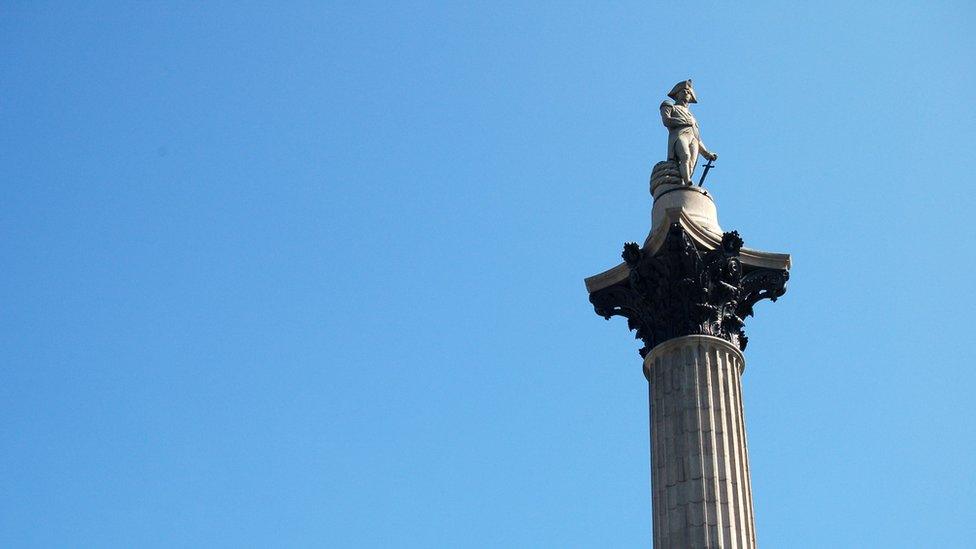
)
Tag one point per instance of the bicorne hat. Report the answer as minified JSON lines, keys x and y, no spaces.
{"x":685,"y":85}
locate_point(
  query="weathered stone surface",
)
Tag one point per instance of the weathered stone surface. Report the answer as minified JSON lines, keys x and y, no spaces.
{"x":701,"y":493}
{"x":665,"y":172}
{"x":695,"y":202}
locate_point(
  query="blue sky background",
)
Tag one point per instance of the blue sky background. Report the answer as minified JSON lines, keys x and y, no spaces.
{"x":287,"y":274}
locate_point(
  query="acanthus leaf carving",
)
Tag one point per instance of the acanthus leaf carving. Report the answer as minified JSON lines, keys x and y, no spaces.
{"x":680,"y":291}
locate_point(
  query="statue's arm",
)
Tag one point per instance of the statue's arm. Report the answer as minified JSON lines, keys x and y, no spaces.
{"x":667,"y":116}
{"x":705,"y":152}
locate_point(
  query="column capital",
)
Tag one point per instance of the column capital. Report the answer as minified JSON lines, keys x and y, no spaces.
{"x":693,"y":341}
{"x":680,"y":290}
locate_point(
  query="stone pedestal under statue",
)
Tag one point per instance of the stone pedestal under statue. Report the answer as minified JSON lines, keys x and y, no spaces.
{"x":686,"y":293}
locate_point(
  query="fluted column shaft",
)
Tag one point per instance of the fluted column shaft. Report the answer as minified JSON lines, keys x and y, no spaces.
{"x":701,"y":494}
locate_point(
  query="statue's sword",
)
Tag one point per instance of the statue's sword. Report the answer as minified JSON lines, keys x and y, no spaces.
{"x":704,"y":173}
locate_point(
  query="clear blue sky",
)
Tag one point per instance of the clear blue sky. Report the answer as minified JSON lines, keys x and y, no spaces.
{"x":311,"y":275}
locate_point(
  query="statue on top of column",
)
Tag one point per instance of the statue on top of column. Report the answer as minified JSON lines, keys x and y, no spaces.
{"x":684,"y":139}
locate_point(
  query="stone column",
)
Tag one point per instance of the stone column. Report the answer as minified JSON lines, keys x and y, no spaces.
{"x":686,"y":293}
{"x":700,"y":489}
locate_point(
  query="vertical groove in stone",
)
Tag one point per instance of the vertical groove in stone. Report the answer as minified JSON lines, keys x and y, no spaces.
{"x":653,"y":463}
{"x":686,"y":450}
{"x":711,"y":471}
{"x":746,"y":482}
{"x":751,"y":521}
{"x":728,"y":488}
{"x":702,"y":451}
{"x":667,"y":493}
{"x":721,"y":450}
{"x":700,"y":486}
{"x":735,"y":513}
{"x":653,"y":373}
{"x":657,"y":434}
{"x":737,"y":482}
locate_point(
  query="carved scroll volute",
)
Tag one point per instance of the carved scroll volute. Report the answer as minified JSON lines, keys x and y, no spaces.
{"x":678,"y":291}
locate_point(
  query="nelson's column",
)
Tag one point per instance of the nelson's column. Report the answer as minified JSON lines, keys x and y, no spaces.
{"x":686,"y":292}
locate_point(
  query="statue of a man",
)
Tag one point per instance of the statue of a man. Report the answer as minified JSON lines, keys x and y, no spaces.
{"x":684,"y":140}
